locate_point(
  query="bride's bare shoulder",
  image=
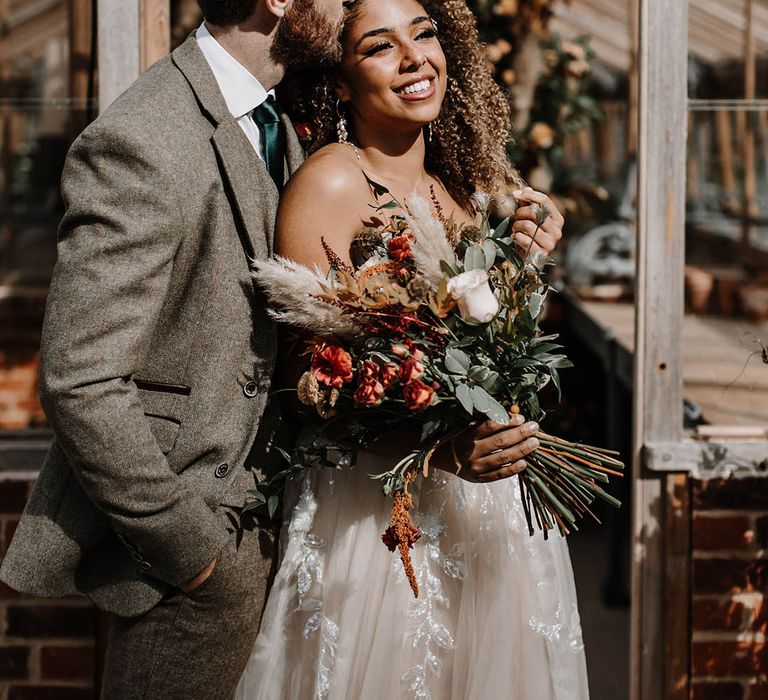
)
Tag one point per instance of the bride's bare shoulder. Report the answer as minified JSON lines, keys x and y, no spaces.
{"x":328,"y":191}
{"x":332,"y":171}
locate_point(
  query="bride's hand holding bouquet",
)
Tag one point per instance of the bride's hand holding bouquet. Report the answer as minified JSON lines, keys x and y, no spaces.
{"x":435,"y":327}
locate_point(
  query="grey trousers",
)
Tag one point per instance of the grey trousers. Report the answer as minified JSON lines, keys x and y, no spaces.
{"x":194,"y":646}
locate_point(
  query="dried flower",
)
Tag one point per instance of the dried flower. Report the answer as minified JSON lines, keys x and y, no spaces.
{"x":370,"y":392}
{"x":418,"y":395}
{"x":399,"y":248}
{"x":294,"y":292}
{"x":430,"y":243}
{"x":402,"y":534}
{"x":471,"y":234}
{"x":411,"y":369}
{"x":332,"y":365}
{"x":308,"y":389}
{"x":418,"y":288}
{"x":364,"y":245}
{"x":389,"y":374}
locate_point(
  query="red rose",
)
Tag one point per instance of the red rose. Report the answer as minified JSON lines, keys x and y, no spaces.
{"x":367,"y":371}
{"x":332,"y":366}
{"x":411,"y":369}
{"x":369,"y":393}
{"x":399,"y":248}
{"x":388,"y":374}
{"x":418,"y":395}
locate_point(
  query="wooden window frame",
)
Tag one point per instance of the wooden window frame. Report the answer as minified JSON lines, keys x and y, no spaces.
{"x":663,"y":459}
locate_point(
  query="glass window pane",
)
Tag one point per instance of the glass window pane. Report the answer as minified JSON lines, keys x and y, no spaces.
{"x":45,"y":79}
{"x":726,"y":273}
{"x":728,"y":49}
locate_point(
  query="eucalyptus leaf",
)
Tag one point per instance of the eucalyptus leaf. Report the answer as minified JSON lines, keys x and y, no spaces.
{"x":272,"y":504}
{"x":489,"y":250}
{"x":556,"y":381}
{"x":545,"y":348}
{"x":429,"y":428}
{"x":478,"y":373}
{"x":457,"y":361}
{"x":501,"y":230}
{"x":463,"y":394}
{"x":536,"y":302}
{"x":474,"y":258}
{"x":485,"y":403}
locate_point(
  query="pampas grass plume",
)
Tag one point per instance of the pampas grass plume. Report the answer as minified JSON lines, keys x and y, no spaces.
{"x":293,"y":292}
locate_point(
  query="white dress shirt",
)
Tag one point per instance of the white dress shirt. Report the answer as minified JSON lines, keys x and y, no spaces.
{"x":242,"y":91}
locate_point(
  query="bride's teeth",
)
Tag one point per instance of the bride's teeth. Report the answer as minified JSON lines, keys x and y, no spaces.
{"x":416,"y":87}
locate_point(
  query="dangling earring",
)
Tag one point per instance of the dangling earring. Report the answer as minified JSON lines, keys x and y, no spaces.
{"x":429,"y":133}
{"x":341,"y":125}
{"x":341,"y":129}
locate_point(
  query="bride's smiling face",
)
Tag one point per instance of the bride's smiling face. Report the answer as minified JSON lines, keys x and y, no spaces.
{"x":394,"y":70}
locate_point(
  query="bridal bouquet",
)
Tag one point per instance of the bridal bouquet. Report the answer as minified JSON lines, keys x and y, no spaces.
{"x":433,"y":327}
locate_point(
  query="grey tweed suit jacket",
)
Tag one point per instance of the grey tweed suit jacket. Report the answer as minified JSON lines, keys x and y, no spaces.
{"x":157,"y":351}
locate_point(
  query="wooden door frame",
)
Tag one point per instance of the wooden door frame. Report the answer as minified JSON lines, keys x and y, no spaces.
{"x":132,"y":35}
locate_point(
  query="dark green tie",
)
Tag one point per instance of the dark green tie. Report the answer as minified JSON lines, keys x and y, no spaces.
{"x":266,"y":116}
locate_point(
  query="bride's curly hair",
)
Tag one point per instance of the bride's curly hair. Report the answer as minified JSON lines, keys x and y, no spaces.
{"x":468,"y":151}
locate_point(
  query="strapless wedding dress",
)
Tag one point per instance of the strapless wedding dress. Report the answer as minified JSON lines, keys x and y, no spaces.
{"x":497,"y":617}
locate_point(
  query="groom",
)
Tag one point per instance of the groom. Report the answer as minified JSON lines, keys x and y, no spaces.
{"x":157,"y":357}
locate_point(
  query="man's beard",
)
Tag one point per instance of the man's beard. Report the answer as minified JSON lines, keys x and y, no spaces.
{"x":306,"y":37}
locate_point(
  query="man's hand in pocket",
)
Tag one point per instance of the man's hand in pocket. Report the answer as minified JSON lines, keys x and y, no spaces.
{"x":200,"y":579}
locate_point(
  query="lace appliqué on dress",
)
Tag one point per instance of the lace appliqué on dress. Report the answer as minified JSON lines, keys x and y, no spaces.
{"x":309,"y":572}
{"x":427,"y":632}
{"x":559,"y":624}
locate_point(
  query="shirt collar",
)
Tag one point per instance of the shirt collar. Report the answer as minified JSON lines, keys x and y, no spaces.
{"x":241,"y":90}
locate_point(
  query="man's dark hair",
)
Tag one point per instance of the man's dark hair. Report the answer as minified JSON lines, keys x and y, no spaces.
{"x":225,"y":13}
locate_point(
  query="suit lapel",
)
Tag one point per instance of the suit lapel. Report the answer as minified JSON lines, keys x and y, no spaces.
{"x":250,"y":189}
{"x":294,"y":154}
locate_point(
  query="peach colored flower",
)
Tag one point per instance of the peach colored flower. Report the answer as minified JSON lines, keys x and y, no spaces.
{"x":388,"y":374}
{"x":411,"y":369}
{"x":369,"y":393}
{"x":418,"y":395}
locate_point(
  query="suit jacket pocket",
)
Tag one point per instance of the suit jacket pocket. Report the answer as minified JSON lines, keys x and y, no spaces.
{"x":165,"y":431}
{"x":164,"y":409}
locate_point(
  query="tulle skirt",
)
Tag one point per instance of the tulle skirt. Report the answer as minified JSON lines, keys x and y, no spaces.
{"x":496,"y":618}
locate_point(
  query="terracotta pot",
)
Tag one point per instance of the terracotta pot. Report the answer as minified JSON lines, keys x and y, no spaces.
{"x":754,"y":300}
{"x":726,"y":292}
{"x":698,"y":285}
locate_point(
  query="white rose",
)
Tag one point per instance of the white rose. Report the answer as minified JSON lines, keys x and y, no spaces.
{"x":477,"y":302}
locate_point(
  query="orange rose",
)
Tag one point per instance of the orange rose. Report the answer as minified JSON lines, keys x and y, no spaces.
{"x":388,"y":374}
{"x":369,"y":393}
{"x":332,"y":366}
{"x":418,"y":395}
{"x":411,"y":369}
{"x":367,"y":371}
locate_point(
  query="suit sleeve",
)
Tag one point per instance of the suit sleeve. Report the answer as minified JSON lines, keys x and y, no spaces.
{"x":116,"y":248}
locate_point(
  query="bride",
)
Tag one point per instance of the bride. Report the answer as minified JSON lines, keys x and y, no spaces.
{"x":413,"y":109}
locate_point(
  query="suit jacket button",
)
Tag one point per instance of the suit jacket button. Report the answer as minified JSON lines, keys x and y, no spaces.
{"x":251,"y":389}
{"x":222,"y":470}
{"x":145,"y":565}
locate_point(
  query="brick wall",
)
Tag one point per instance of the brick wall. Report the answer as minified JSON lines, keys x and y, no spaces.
{"x":21,"y":319}
{"x":729,"y":657}
{"x":47,"y":649}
